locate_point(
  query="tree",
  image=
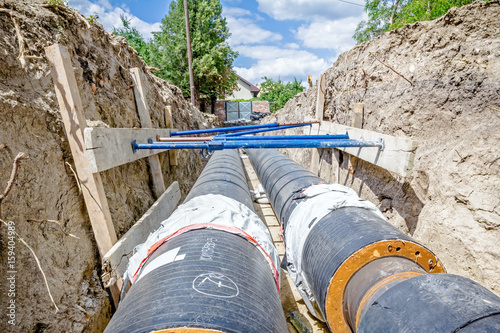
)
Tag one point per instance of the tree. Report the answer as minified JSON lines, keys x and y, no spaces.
{"x":278,"y":93}
{"x":212,"y":56}
{"x":423,"y":10}
{"x":386,"y":15}
{"x":379,"y":12}
{"x":145,"y":49}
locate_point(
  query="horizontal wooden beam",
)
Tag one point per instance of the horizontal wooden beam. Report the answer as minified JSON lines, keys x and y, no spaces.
{"x":115,"y":261}
{"x":110,"y":147}
{"x":397,"y":156}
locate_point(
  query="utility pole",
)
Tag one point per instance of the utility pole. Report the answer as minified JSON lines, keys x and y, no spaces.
{"x":190,"y":57}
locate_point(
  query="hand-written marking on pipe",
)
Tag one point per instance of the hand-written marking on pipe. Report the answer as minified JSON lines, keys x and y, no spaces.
{"x":215,"y":284}
{"x":208,"y":249}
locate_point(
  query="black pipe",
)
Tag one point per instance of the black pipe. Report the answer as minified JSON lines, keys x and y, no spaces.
{"x":433,"y":303}
{"x":224,"y":174}
{"x":222,"y":282}
{"x":282,"y":178}
{"x":366,"y":275}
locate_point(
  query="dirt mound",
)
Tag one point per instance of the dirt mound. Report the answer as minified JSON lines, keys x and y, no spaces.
{"x":46,"y":188}
{"x":451,"y":107}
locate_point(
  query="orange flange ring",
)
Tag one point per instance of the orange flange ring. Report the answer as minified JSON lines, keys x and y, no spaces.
{"x":335,"y":295}
{"x":187,"y":330}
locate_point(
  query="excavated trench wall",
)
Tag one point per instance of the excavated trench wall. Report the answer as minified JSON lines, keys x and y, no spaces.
{"x":452,"y":108}
{"x":46,"y":188}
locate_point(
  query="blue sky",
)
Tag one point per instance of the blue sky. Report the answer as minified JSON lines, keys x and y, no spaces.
{"x":275,"y":38}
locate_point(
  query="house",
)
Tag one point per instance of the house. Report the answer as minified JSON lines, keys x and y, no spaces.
{"x":239,"y":111}
{"x":245,"y":90}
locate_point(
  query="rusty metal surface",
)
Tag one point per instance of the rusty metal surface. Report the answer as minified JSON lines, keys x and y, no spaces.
{"x":374,"y":278}
{"x":189,"y":138}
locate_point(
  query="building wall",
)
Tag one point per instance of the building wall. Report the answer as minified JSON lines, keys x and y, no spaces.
{"x":242,"y":92}
{"x":220,"y":110}
{"x":260,"y":106}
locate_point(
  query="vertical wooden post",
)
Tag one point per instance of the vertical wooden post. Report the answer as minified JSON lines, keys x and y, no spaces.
{"x":168,"y":117}
{"x":320,"y":97}
{"x":145,"y":119}
{"x":74,"y":122}
{"x":172,"y":153}
{"x":320,"y":105}
{"x":356,"y":121}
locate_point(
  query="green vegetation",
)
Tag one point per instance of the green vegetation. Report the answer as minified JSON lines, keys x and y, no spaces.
{"x":93,"y":18}
{"x":212,"y":56}
{"x":278,"y":92}
{"x":56,"y":3}
{"x":385,"y":15}
{"x":146,"y":49}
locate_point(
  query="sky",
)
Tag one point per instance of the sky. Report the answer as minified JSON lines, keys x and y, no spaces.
{"x":280,"y":39}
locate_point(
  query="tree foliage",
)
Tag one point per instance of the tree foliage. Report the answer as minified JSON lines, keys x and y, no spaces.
{"x":385,"y":15}
{"x":278,"y":92}
{"x":212,"y":56}
{"x":135,"y":39}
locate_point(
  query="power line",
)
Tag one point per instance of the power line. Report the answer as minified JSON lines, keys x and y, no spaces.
{"x":352,"y":3}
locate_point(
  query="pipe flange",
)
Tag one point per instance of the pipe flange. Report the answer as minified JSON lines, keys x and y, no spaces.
{"x":334,"y":306}
{"x":187,"y":330}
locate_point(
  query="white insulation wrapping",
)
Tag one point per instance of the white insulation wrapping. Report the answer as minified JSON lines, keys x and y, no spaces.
{"x":317,"y":201}
{"x":215,"y":209}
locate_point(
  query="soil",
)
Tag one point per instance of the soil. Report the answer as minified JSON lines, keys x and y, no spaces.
{"x":46,"y":188}
{"x":451,"y":107}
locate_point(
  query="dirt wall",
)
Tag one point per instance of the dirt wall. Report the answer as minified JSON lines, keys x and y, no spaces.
{"x":452,"y":108}
{"x":46,"y":188}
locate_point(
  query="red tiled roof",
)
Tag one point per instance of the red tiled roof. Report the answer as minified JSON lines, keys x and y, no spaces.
{"x":252,"y":87}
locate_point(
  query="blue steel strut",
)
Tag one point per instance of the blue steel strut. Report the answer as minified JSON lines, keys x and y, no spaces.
{"x":310,"y":142}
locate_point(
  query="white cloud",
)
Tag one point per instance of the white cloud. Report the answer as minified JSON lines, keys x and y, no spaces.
{"x":307,"y":9}
{"x":325,"y":34}
{"x":244,"y":30}
{"x":109,"y":16}
{"x":236,"y":12}
{"x":284,"y":64}
{"x":294,"y":46}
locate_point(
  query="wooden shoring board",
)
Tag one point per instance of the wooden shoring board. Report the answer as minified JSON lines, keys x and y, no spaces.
{"x":73,"y":116}
{"x":397,"y":156}
{"x":172,"y":153}
{"x":357,"y":122}
{"x":290,"y":297}
{"x":116,"y":260}
{"x":320,"y":107}
{"x":145,"y":119}
{"x":100,"y":141}
{"x":74,"y":122}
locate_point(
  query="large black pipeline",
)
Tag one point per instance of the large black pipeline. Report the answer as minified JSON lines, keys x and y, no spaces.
{"x":365,"y":275}
{"x":223,"y":283}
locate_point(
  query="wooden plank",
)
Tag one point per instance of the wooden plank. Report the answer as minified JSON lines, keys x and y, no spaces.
{"x":143,"y":111}
{"x":320,"y":107}
{"x":74,"y":122}
{"x":357,"y":116}
{"x":397,"y":156}
{"x":320,"y":97}
{"x":276,"y":234}
{"x":115,"y":261}
{"x":357,"y":122}
{"x":172,"y":154}
{"x":100,"y":141}
{"x":168,"y":117}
